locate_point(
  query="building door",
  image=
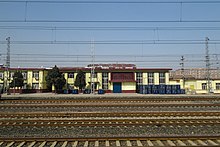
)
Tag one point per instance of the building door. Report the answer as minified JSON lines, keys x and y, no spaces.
{"x":117,"y":87}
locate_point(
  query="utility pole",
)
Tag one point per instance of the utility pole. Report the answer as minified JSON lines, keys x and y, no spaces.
{"x":182,"y":70}
{"x":208,"y":66}
{"x":217,"y":63}
{"x":7,"y":65}
{"x":93,"y":67}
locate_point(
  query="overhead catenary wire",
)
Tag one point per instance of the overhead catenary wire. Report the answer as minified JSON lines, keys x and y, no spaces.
{"x":108,"y":21}
{"x":129,"y":42}
{"x":108,"y":28}
{"x":109,"y":1}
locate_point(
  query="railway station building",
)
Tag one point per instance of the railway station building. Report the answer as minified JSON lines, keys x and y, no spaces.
{"x":117,"y":78}
{"x":113,"y":78}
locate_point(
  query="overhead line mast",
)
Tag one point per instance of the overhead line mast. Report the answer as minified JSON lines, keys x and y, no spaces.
{"x":182,"y":70}
{"x":208,"y":66}
{"x":7,"y":65}
{"x":92,"y":67}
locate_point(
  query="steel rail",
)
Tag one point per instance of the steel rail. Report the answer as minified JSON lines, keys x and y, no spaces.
{"x":107,"y":100}
{"x":154,"y":141}
{"x":113,"y":105}
{"x":111,"y":122}
{"x":107,"y":114}
{"x":153,"y":137}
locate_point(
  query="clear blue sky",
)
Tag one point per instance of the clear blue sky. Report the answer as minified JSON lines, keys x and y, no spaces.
{"x":143,"y":55}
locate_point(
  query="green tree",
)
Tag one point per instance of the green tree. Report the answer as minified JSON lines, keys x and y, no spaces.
{"x":80,"y":80}
{"x":54,"y":77}
{"x":18,"y":80}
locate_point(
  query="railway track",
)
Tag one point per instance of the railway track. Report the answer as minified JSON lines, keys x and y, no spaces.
{"x":112,"y":122}
{"x":108,"y":100}
{"x":113,"y":105}
{"x":207,"y":141}
{"x":25,"y":115}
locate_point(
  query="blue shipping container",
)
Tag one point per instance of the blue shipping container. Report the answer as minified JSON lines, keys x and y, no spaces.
{"x":162,"y":87}
{"x":162,"y":91}
{"x":101,"y":91}
{"x":66,"y":91}
{"x":75,"y":91}
{"x":87,"y":91}
{"x":149,"y":89}
{"x":183,"y":91}
{"x":155,"y":91}
{"x":168,"y":87}
{"x":175,"y":87}
{"x":178,"y":91}
{"x":174,"y":91}
{"x":168,"y":91}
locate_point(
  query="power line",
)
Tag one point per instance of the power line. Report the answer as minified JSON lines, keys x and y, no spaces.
{"x":107,"y":28}
{"x":171,"y":42}
{"x":107,"y":2}
{"x":106,"y":55}
{"x":110,"y":21}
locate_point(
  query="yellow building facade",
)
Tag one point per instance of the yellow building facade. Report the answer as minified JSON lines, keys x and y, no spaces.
{"x":113,"y":78}
{"x":34,"y":78}
{"x":194,"y":81}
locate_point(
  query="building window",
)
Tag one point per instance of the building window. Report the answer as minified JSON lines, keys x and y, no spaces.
{"x":162,"y":78}
{"x":1,"y":75}
{"x":70,"y":75}
{"x":94,"y":75}
{"x":35,"y":86}
{"x":11,"y":74}
{"x":139,"y":78}
{"x":139,"y":81}
{"x":204,"y":87}
{"x":151,"y":78}
{"x":36,"y":75}
{"x":105,"y":80}
{"x":217,"y":86}
{"x":24,"y":74}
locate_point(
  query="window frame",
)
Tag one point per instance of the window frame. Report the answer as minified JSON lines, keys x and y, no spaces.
{"x":150,"y":78}
{"x":204,"y":86}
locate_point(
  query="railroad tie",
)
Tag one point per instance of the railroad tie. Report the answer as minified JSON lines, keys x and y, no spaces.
{"x":10,"y":144}
{"x":181,"y":143}
{"x":192,"y":143}
{"x":212,"y":143}
{"x":171,"y":143}
{"x":107,"y":143}
{"x":64,"y":144}
{"x":150,"y":143}
{"x":21,"y":144}
{"x":118,"y":143}
{"x":202,"y":142}
{"x":42,"y":144}
{"x":160,"y":143}
{"x":139,"y":143}
{"x":54,"y":144}
{"x":96,"y":143}
{"x":86,"y":144}
{"x":74,"y":144}
{"x":32,"y":144}
{"x":128,"y":143}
